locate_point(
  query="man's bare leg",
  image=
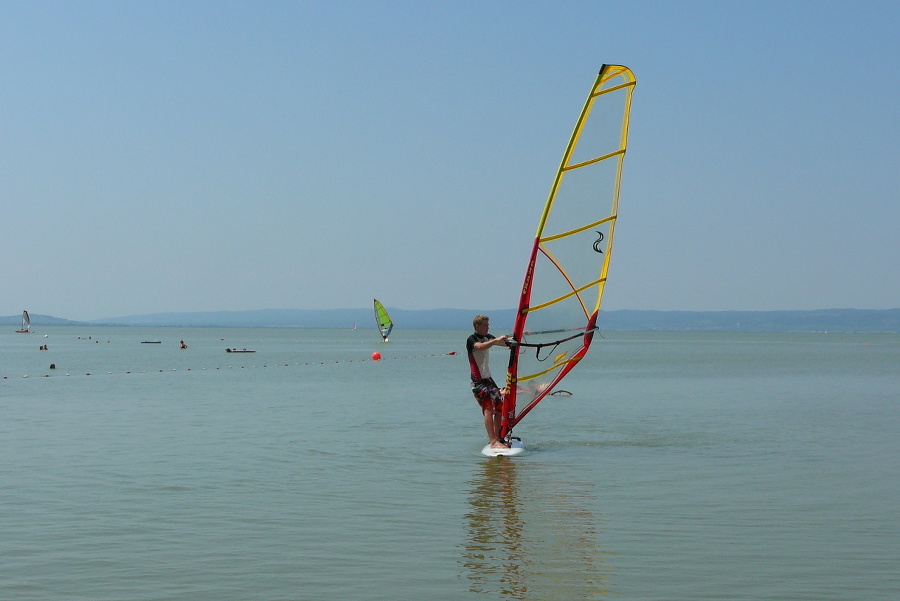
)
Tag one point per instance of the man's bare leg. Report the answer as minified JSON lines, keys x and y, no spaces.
{"x":492,"y":425}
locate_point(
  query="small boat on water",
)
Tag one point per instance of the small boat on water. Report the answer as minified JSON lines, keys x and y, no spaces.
{"x":237,"y":350}
{"x":26,"y":324}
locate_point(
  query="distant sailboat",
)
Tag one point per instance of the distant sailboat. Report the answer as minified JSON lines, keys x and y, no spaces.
{"x":26,"y":324}
{"x":385,"y":325}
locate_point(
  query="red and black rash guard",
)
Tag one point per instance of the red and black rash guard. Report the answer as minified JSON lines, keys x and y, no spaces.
{"x":479,"y":361}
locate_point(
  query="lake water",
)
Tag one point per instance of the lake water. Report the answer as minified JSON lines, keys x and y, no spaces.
{"x":683,"y":466}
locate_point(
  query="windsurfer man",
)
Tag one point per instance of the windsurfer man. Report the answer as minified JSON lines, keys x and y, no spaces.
{"x":485,"y":390}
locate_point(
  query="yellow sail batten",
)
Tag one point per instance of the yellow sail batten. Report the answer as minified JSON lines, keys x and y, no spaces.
{"x":567,"y":295}
{"x":592,"y":161}
{"x":612,"y":89}
{"x":577,"y":230}
{"x":548,"y":370}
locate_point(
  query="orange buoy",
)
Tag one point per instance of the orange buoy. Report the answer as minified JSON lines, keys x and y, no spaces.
{"x":376,"y":356}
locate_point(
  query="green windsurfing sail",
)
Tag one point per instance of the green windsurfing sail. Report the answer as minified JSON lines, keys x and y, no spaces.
{"x":385,"y":325}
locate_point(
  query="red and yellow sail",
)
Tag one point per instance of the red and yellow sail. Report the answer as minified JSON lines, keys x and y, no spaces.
{"x":569,"y":261}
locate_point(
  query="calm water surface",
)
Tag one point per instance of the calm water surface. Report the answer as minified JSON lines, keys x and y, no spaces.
{"x":683,"y":466}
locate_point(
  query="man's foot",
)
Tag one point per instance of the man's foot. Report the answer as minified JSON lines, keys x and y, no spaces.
{"x":499,"y":445}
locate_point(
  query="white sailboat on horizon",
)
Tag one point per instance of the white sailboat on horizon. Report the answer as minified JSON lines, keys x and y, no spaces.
{"x":26,"y":324}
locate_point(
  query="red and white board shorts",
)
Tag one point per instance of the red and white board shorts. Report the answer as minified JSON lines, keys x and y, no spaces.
{"x":487,"y":394}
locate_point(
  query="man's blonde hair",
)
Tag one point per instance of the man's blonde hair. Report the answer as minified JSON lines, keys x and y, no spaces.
{"x":479,"y":319}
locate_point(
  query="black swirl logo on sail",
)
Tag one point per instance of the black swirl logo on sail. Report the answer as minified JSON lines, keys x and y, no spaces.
{"x":597,"y":243}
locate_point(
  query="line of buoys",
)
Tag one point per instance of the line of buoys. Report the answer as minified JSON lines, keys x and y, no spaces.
{"x":376,"y":356}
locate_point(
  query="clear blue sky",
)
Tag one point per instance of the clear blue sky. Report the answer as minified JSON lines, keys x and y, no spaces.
{"x":194,"y":156}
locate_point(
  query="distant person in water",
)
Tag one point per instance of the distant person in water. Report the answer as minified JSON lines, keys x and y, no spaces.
{"x":485,"y":390}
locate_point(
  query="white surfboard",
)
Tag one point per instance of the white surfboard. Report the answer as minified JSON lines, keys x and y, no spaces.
{"x":517,"y":449}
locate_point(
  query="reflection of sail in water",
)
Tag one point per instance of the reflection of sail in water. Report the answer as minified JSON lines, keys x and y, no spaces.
{"x":532,"y":536}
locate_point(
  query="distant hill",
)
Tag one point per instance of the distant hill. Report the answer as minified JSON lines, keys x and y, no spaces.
{"x":430,"y":319}
{"x":830,"y":320}
{"x":37,"y":320}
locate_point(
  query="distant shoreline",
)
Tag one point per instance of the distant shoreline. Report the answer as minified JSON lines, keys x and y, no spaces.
{"x":825,"y":320}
